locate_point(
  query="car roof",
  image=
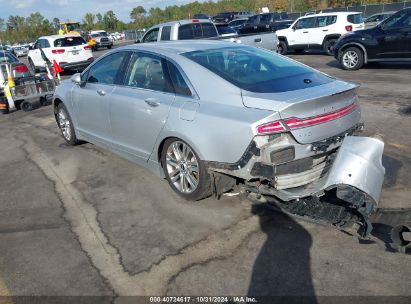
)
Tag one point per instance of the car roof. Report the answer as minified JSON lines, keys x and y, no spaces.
{"x":182,"y":22}
{"x":331,"y":14}
{"x":55,"y":37}
{"x":180,"y":46}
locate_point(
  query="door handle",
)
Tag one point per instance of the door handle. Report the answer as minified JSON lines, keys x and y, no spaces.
{"x":257,"y":40}
{"x":151,"y":102}
{"x":325,"y":30}
{"x":101,"y":92}
{"x":305,"y":32}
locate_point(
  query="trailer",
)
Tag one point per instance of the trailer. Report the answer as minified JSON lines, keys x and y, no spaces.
{"x":27,"y":93}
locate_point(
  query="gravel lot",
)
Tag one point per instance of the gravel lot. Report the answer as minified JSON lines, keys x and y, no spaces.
{"x":82,"y":221}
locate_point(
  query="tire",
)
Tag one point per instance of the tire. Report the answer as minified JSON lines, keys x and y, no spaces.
{"x":352,"y":59}
{"x":179,"y":172}
{"x":328,"y":46}
{"x":109,"y":47}
{"x":65,"y":124}
{"x":26,"y":106}
{"x":299,"y":51}
{"x":32,"y":66}
{"x":282,"y":48}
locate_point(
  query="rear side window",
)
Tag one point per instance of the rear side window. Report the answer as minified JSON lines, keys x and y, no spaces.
{"x":325,"y":21}
{"x":165,"y":33}
{"x":265,"y":18}
{"x":105,"y":71}
{"x":197,"y":31}
{"x":69,"y":41}
{"x":146,"y":71}
{"x":356,"y":18}
{"x":180,"y":86}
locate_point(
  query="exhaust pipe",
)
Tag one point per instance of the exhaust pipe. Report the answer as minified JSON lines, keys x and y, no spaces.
{"x":401,"y":237}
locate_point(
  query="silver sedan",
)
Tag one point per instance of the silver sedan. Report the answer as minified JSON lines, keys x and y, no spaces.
{"x":211,"y":116}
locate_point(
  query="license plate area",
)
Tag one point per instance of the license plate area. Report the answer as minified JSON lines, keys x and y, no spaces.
{"x":75,"y":52}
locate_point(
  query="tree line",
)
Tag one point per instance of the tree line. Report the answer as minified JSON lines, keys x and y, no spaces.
{"x":27,"y":29}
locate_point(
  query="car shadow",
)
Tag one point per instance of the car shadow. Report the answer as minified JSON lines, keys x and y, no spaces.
{"x":376,"y":65}
{"x":282,"y":268}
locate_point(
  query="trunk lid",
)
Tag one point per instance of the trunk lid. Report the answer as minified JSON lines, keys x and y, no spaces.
{"x":313,"y":102}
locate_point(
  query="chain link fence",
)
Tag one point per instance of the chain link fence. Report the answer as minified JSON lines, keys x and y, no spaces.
{"x":366,"y":10}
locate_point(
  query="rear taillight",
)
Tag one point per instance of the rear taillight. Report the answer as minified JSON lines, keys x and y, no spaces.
{"x":195,"y":20}
{"x":87,"y":47}
{"x":21,"y":69}
{"x":58,"y":51}
{"x":298,"y":123}
{"x":348,"y":28}
{"x":271,"y":127}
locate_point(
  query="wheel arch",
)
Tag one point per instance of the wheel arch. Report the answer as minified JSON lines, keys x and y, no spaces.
{"x":354,"y":44}
{"x":330,"y":36}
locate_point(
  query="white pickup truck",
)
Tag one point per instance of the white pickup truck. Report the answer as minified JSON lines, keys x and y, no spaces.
{"x":205,"y":29}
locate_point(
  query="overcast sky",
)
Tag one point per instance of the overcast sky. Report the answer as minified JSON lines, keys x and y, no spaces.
{"x":75,"y":9}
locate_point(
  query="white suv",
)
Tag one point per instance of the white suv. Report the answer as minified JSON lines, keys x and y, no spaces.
{"x":70,"y":52}
{"x":319,"y":31}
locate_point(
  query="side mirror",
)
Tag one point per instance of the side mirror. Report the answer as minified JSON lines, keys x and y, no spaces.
{"x":76,"y":78}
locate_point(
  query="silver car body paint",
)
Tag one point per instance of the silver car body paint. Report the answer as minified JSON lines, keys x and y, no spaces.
{"x":219,"y":122}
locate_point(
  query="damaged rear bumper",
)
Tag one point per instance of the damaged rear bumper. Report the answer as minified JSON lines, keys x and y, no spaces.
{"x":348,"y":192}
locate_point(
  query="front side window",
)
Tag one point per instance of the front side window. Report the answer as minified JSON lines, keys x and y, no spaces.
{"x":106,"y":70}
{"x":399,"y":20}
{"x":151,"y":35}
{"x":257,"y":70}
{"x":305,"y":23}
{"x":146,"y":71}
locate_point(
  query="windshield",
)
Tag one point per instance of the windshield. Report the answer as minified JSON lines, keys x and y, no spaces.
{"x":69,"y":41}
{"x":258,"y":70}
{"x":7,"y":57}
{"x":95,"y":35}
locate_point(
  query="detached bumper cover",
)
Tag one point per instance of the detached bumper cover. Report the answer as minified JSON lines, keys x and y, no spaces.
{"x":359,"y":164}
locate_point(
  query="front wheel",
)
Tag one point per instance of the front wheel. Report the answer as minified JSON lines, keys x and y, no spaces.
{"x":352,"y":59}
{"x":66,"y":125}
{"x":109,"y":47}
{"x":184,"y":170}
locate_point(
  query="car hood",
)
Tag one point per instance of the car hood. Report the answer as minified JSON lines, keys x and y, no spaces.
{"x":308,"y":103}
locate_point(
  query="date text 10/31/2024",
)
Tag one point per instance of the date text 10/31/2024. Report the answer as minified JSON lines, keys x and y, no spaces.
{"x":200,"y":299}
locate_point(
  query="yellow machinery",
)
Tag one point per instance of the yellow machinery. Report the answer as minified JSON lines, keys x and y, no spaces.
{"x":73,"y":28}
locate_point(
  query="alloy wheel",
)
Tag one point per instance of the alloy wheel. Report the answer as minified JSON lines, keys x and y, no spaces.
{"x":350,"y":59}
{"x":64,"y":124}
{"x":182,"y":167}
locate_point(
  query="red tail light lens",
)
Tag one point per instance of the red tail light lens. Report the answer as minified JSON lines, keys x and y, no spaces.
{"x":271,"y":127}
{"x":87,"y":47}
{"x":21,"y":69}
{"x":348,"y":28}
{"x":58,"y":51}
{"x":298,"y":123}
{"x":195,"y":20}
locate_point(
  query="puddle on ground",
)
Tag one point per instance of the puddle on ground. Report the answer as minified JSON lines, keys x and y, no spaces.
{"x":392,"y":167}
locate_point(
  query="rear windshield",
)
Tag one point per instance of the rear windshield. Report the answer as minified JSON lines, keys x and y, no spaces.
{"x":69,"y":41}
{"x":7,"y":57}
{"x":258,"y":70}
{"x":356,"y":19}
{"x":197,"y":31}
